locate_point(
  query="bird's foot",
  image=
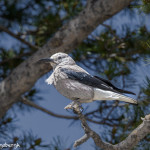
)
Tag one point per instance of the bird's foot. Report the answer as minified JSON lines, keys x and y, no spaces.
{"x":74,"y":105}
{"x":69,"y":106}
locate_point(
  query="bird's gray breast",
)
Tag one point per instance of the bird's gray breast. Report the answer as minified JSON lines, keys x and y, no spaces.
{"x":72,"y":89}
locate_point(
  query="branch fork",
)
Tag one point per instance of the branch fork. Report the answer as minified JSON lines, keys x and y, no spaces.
{"x":132,"y":140}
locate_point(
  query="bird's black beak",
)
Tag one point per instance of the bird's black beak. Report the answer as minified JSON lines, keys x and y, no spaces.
{"x":46,"y":60}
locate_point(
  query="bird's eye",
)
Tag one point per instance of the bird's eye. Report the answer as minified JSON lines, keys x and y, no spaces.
{"x":59,"y":57}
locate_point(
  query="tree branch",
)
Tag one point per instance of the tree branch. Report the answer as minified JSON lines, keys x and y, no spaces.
{"x":132,"y":140}
{"x":65,"y":40}
{"x":30,"y":103}
{"x":9,"y":60}
{"x":80,"y":141}
{"x":2,"y":28}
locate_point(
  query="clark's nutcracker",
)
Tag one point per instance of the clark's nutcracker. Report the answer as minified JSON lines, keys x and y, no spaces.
{"x":78,"y":85}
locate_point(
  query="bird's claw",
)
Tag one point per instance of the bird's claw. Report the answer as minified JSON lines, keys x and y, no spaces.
{"x":74,"y":105}
{"x":69,"y":106}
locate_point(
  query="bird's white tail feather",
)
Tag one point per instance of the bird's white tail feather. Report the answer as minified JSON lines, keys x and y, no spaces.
{"x":109,"y":95}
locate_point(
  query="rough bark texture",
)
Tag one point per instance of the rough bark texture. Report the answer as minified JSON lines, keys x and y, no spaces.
{"x":65,"y":40}
{"x":135,"y":136}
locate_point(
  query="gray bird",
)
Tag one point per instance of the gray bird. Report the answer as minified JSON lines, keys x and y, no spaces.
{"x":78,"y":85}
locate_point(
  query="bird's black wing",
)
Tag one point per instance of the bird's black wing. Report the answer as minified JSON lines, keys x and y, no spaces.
{"x":89,"y":80}
{"x":115,"y":88}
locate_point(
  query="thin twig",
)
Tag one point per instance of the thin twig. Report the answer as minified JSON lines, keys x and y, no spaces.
{"x":30,"y":103}
{"x":16,"y":57}
{"x":2,"y":28}
{"x":111,"y":110}
{"x":81,"y":140}
{"x":112,"y":31}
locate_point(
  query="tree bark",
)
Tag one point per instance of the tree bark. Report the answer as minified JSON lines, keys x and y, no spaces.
{"x":65,"y":40}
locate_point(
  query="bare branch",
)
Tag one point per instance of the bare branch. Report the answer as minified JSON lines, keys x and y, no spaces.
{"x":132,"y":140}
{"x":15,"y":57}
{"x":30,"y":103}
{"x":2,"y":28}
{"x":83,"y":139}
{"x":111,"y":110}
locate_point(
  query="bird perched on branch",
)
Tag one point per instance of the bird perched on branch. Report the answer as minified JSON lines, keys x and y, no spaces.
{"x":78,"y":85}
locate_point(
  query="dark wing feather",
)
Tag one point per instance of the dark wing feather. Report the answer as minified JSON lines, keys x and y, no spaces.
{"x":89,"y":80}
{"x":115,"y":88}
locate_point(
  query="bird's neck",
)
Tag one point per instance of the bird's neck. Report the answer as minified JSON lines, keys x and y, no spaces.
{"x":63,"y":65}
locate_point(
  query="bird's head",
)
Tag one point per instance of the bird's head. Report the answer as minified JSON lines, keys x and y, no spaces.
{"x":58,"y":59}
